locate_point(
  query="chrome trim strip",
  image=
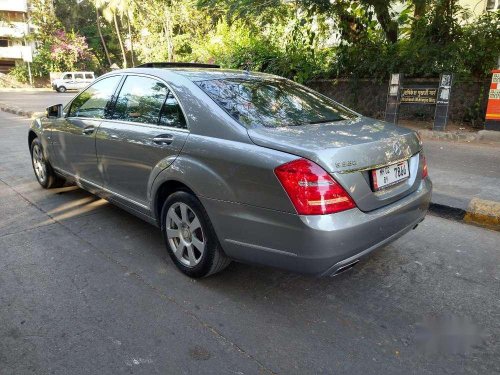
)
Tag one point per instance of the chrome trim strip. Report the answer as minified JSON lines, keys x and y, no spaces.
{"x":152,"y":126}
{"x":78,"y":179}
{"x":375,"y":166}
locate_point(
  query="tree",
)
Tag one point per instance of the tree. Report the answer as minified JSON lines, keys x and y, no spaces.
{"x":98,"y":23}
{"x":110,"y":9}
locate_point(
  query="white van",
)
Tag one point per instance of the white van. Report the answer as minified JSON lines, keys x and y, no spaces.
{"x":72,"y":81}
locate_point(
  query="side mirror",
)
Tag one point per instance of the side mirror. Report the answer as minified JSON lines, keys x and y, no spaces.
{"x":54,"y":111}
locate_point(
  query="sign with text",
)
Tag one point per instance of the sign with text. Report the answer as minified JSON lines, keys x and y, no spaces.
{"x":392,"y":105}
{"x":439,"y":96}
{"x":493,"y":110}
{"x":418,"y":95}
{"x":443,"y":101}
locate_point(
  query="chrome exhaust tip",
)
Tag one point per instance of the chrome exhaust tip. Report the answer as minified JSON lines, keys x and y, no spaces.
{"x":345,"y":268}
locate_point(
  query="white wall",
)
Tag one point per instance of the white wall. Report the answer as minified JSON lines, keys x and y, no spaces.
{"x":14,"y":5}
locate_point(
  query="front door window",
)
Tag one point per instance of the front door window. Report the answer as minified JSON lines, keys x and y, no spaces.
{"x":93,"y":102}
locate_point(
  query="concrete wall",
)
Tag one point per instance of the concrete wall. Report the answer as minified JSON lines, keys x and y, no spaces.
{"x":369,"y":97}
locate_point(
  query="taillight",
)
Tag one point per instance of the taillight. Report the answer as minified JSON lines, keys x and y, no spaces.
{"x":425,"y":172}
{"x":311,"y":189}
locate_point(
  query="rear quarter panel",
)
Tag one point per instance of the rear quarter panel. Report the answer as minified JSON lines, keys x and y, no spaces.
{"x":229,"y":171}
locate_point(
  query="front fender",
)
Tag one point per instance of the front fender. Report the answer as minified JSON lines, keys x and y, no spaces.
{"x":37,"y":130}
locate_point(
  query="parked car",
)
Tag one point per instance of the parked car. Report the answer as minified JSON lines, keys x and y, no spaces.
{"x":72,"y":81}
{"x":237,"y":165}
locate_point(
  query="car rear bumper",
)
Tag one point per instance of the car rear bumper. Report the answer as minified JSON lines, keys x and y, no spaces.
{"x":321,"y":244}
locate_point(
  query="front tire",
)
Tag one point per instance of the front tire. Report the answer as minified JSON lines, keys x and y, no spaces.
{"x":190,"y":237}
{"x":44,"y":173}
{"x":61,"y":89}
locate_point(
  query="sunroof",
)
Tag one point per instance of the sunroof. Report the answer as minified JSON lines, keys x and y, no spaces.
{"x":176,"y":65}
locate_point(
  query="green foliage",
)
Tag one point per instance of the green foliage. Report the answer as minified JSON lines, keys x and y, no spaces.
{"x":481,"y":44}
{"x":289,"y":48}
{"x":300,"y":39}
{"x":467,"y":50}
{"x":62,"y":52}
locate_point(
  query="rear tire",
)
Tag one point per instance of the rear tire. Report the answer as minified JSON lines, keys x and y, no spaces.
{"x":190,"y":237}
{"x":61,"y":89}
{"x":44,"y":173}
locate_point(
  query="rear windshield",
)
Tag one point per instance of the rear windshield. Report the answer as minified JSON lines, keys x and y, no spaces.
{"x":272,"y":102}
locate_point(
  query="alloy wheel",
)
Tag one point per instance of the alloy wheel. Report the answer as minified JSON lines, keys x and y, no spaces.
{"x":185,"y":234}
{"x":39,"y":164}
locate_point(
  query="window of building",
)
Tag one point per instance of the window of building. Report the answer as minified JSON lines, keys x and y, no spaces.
{"x":492,"y":5}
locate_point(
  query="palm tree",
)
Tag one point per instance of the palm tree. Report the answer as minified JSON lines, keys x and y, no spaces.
{"x":110,"y":10}
{"x":98,"y":21}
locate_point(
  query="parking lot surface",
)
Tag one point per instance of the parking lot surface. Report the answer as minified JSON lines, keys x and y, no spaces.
{"x":86,"y":288}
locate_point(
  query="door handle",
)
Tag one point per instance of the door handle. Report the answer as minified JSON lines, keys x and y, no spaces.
{"x":164,"y":139}
{"x":88,"y":129}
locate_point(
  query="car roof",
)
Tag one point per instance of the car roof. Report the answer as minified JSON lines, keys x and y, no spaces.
{"x":199,"y":74}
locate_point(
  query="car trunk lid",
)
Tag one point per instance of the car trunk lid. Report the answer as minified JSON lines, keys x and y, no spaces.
{"x":349,"y":150}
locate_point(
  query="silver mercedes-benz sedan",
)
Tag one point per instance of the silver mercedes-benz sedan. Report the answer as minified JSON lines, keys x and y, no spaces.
{"x":234,"y":165}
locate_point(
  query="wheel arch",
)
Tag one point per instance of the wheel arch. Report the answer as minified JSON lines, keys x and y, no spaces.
{"x":164,"y":190}
{"x":31,"y":136}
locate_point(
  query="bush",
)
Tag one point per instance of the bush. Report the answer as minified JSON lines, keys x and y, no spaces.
{"x":272,"y":51}
{"x":472,"y":50}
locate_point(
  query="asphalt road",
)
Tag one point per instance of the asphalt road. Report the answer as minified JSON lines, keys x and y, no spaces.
{"x":462,"y":171}
{"x":35,"y":101}
{"x":86,"y":288}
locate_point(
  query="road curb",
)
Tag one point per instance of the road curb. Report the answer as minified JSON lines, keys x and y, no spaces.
{"x":482,"y":136}
{"x":479,"y":212}
{"x":19,"y":112}
{"x":484,"y":213}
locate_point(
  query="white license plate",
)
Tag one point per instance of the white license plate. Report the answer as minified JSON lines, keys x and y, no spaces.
{"x":390,"y":175}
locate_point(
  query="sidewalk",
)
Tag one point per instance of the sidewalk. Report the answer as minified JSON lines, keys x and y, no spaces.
{"x":465,"y":169}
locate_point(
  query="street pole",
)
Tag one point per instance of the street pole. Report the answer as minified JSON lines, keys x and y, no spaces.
{"x":30,"y":57}
{"x":29,"y":74}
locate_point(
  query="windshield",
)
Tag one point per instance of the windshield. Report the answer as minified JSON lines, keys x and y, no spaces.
{"x":273,"y":102}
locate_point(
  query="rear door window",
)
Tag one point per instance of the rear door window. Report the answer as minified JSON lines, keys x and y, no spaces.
{"x":140,"y":100}
{"x":79,"y":76}
{"x":93,"y":102}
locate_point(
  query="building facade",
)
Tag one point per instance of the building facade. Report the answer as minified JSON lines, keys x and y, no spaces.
{"x":478,"y":7}
{"x":14,"y":30}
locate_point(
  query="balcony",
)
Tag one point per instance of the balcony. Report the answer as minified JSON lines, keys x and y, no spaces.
{"x":14,"y":5}
{"x":13,"y":30}
{"x":15,"y":52}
